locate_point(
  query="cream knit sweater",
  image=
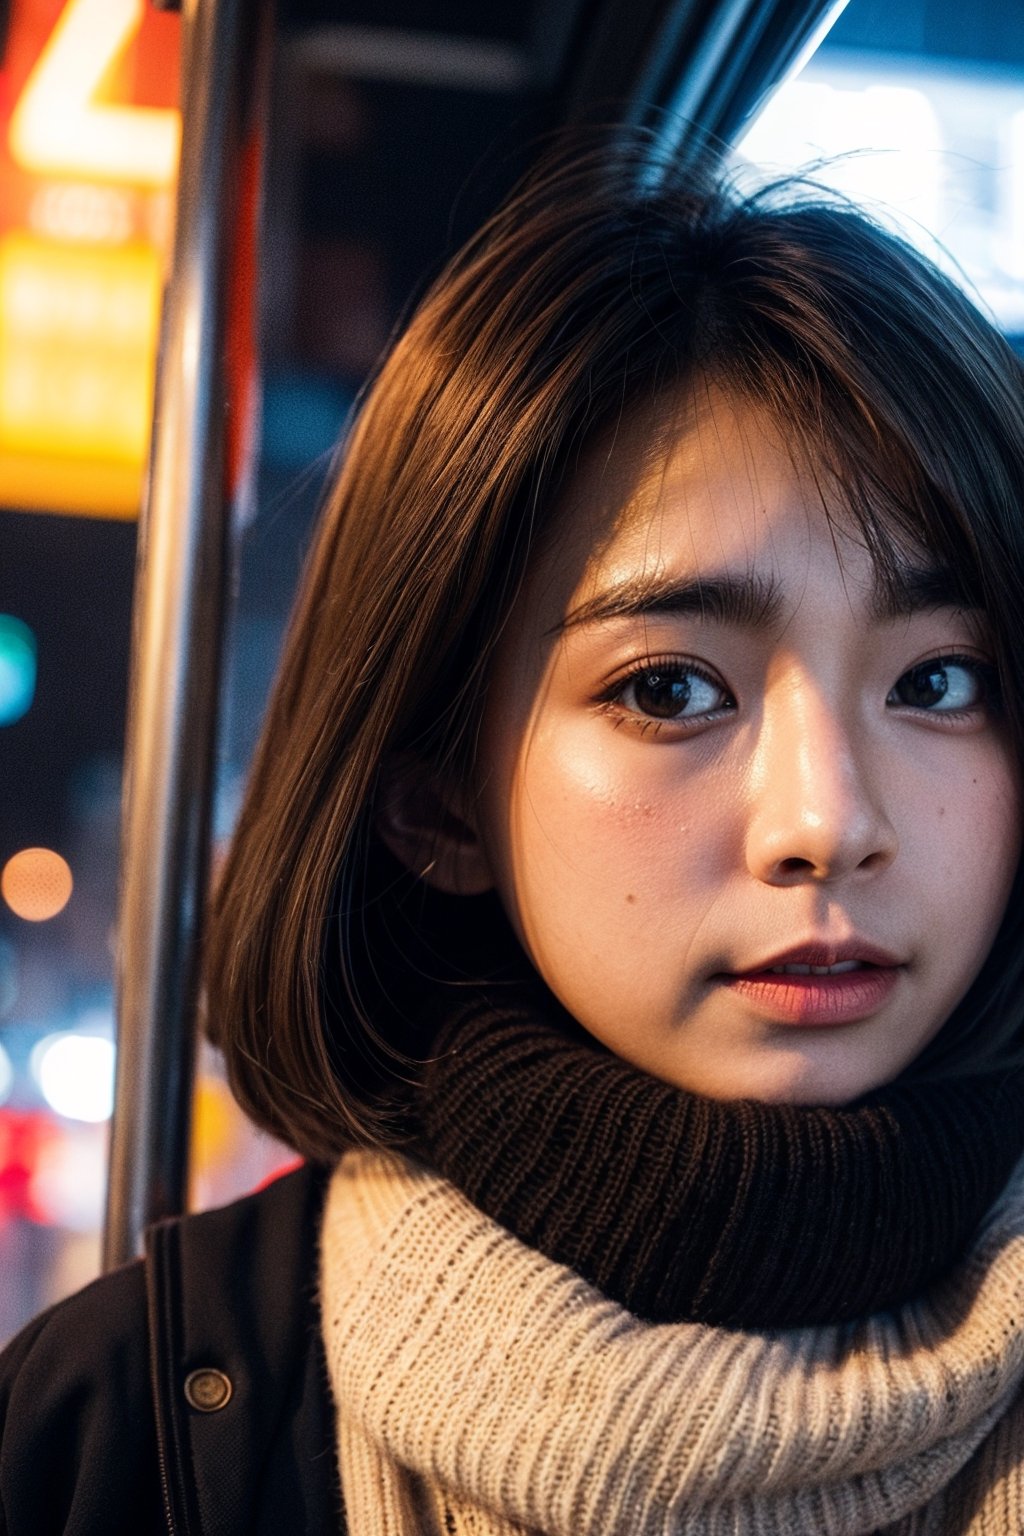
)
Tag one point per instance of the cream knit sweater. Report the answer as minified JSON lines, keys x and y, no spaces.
{"x":482,"y":1388}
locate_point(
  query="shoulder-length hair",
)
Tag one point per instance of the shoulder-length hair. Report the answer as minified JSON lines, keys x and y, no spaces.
{"x":589,"y":291}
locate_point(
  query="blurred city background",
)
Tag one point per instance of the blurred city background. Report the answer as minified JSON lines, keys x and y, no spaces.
{"x":376,"y":165}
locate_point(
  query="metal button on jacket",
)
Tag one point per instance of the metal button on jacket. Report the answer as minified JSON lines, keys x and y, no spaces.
{"x":208,"y":1389}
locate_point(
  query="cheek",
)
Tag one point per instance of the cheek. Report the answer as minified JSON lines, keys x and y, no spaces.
{"x":966,"y":842}
{"x":606,"y":822}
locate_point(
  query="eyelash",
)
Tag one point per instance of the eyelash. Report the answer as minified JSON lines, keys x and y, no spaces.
{"x":610,"y":701}
{"x":984,"y":673}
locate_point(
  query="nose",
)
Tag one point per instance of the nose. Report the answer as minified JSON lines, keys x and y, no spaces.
{"x":817,"y":808}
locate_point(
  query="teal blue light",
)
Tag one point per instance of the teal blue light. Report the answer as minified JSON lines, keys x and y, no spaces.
{"x":17,"y":668}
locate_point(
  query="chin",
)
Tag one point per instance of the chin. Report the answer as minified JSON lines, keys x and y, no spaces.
{"x":789,"y":1081}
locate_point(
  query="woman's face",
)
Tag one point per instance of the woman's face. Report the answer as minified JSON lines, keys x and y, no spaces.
{"x":711,"y":749}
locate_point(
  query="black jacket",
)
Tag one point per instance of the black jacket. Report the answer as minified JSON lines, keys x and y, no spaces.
{"x":98,"y":1432}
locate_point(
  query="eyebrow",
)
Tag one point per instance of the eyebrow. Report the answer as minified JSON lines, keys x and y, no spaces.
{"x":914,"y":589}
{"x":750,"y":602}
{"x":755,"y":602}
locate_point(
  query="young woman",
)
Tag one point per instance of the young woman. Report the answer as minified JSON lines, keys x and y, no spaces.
{"x":625,"y":912}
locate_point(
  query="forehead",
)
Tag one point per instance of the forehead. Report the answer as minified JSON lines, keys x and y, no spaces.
{"x":704,"y":483}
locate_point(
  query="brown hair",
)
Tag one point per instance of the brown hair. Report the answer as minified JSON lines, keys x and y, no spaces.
{"x":591,"y":289}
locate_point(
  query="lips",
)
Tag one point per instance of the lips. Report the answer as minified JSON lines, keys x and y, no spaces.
{"x":811,"y":993}
{"x":825,"y":953}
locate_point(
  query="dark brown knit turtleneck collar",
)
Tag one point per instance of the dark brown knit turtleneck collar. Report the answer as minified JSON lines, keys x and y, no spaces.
{"x":684,"y":1208}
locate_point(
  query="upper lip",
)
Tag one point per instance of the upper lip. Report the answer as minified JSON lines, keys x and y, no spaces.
{"x":825,"y":952}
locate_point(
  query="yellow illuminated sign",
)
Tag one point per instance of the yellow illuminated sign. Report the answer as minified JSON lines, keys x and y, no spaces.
{"x":58,"y":128}
{"x":82,"y":252}
{"x":77,"y":336}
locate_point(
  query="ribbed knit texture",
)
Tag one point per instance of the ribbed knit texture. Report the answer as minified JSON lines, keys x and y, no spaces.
{"x":684,"y":1208}
{"x":482,"y":1388}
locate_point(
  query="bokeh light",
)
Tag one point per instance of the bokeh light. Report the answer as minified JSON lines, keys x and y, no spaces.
{"x":36,"y":884}
{"x":17,"y":668}
{"x":75,"y":1074}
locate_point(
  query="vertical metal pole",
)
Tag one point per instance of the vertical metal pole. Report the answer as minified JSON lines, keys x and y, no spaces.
{"x":752,"y":46}
{"x":178,"y":619}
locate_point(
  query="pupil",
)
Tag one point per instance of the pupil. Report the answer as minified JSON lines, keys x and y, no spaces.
{"x":664,"y":696}
{"x":926,"y":686}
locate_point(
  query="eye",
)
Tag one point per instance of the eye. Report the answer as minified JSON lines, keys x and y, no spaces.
{"x":947,"y":685}
{"x":670,"y":690}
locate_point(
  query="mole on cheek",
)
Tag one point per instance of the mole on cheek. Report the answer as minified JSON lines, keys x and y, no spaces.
{"x":630,"y":898}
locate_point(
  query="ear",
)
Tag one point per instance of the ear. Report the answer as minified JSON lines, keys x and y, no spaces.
{"x":429,"y":827}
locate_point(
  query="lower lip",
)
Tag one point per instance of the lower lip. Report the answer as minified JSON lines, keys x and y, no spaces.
{"x":817,"y":1001}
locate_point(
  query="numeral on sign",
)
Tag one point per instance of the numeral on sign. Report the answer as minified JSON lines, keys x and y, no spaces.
{"x":58,"y":128}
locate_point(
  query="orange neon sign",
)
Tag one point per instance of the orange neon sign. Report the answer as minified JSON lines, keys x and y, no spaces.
{"x":59,"y":127}
{"x":88,"y":156}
